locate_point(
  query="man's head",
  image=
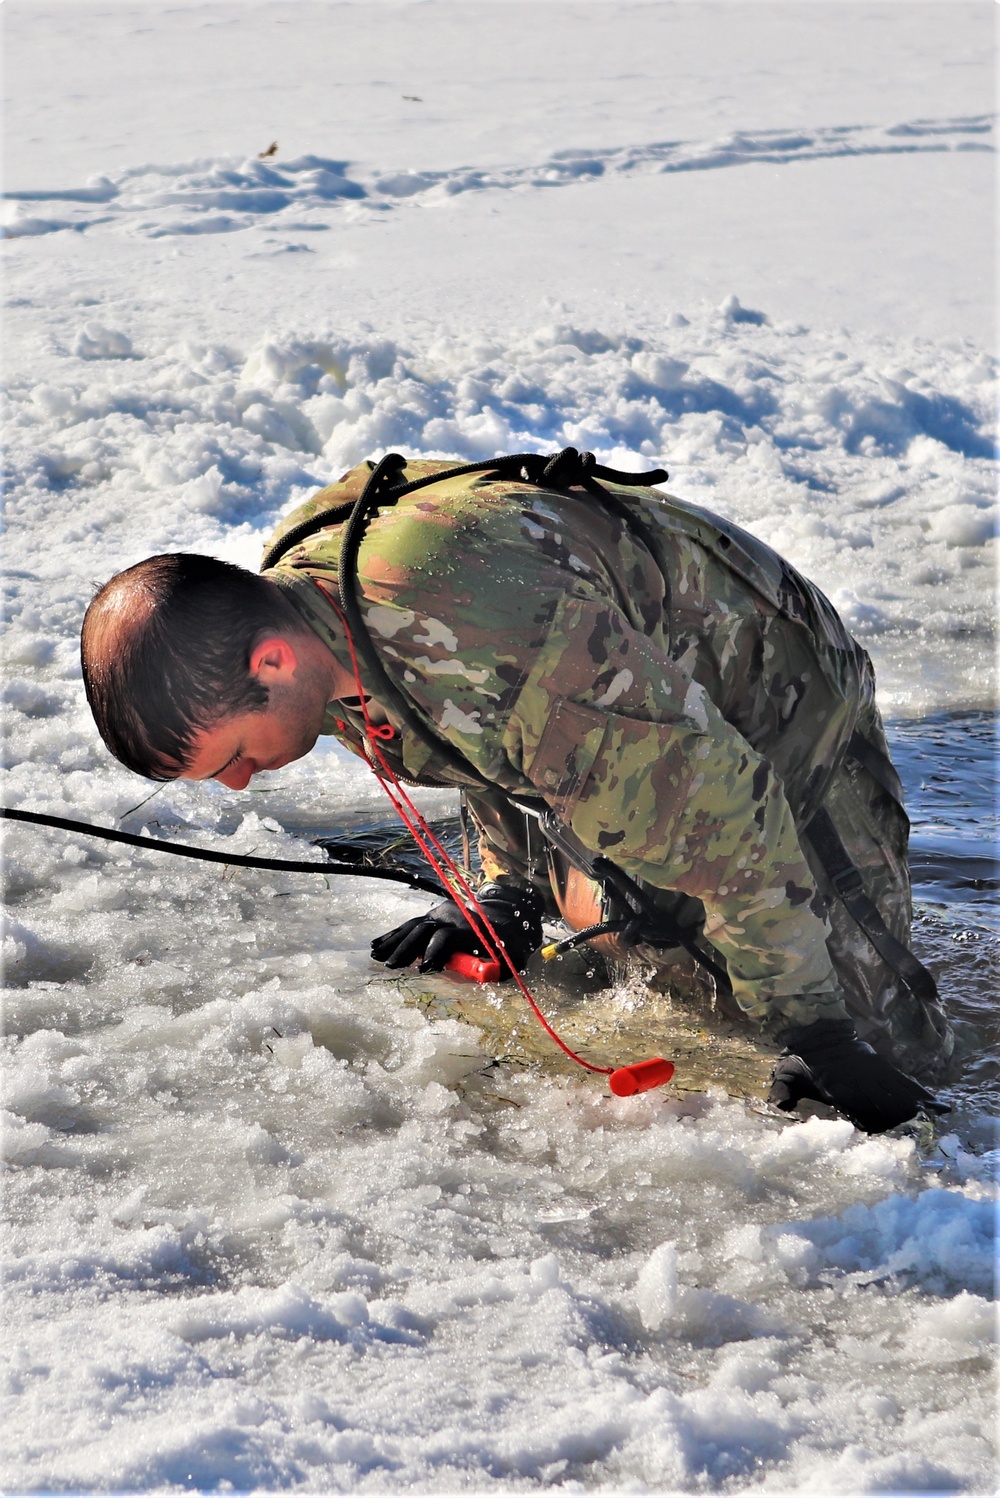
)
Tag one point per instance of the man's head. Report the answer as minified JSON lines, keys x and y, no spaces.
{"x":188,"y":660}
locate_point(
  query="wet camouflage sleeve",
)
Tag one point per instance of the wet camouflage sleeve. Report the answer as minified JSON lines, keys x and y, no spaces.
{"x":537,"y":643}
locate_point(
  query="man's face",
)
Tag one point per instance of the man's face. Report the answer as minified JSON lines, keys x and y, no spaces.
{"x":238,"y":748}
{"x":301,"y":678}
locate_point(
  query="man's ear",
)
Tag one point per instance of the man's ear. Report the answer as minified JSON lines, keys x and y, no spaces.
{"x":273,"y":659}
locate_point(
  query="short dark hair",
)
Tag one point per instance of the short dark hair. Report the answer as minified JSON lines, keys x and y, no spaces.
{"x":166,"y":649}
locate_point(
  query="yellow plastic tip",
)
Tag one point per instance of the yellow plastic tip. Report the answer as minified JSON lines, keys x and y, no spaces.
{"x":550,"y":951}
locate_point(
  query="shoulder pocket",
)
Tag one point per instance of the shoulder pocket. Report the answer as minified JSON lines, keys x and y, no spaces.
{"x":570,"y":742}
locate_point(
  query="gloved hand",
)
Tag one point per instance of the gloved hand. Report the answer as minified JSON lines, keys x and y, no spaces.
{"x":515,"y":914}
{"x":827,"y":1062}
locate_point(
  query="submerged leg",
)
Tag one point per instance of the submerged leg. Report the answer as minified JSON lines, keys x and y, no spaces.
{"x":912,"y":1032}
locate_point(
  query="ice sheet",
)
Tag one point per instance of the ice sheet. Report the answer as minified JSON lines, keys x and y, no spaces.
{"x":267,"y":1225}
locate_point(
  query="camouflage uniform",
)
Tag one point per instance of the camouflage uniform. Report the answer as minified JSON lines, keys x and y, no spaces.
{"x":683,"y":713}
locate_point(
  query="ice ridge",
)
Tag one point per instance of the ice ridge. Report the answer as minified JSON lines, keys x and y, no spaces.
{"x":224,"y":195}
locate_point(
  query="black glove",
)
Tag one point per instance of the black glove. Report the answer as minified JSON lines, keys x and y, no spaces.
{"x":514,"y":913}
{"x":827,"y":1062}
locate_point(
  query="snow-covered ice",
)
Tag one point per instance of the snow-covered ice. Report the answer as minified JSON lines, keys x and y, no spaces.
{"x":269,"y":1226}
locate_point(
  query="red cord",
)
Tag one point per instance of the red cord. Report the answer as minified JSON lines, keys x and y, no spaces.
{"x":438,"y":857}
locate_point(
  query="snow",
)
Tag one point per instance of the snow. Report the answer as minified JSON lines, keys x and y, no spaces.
{"x":268,"y":1226}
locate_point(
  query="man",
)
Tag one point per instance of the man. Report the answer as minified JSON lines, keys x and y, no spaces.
{"x":619,"y":682}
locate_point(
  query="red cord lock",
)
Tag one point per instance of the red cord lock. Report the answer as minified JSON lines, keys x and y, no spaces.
{"x":478,"y":969}
{"x":641,"y":1076}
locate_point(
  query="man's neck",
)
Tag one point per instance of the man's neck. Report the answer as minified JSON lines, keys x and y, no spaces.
{"x":376,"y":712}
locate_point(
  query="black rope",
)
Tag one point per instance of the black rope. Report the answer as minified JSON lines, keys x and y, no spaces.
{"x":649,"y":925}
{"x":243,"y":860}
{"x":643,"y":923}
{"x":528,"y":468}
{"x":572,"y":467}
{"x":589,"y":933}
{"x":308,"y":527}
{"x":388,"y":693}
{"x":561,"y":471}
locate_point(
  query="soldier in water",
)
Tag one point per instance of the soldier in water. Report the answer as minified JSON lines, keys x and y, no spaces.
{"x":617,"y":680}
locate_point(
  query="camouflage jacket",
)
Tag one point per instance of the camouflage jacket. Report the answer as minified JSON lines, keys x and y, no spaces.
{"x":682,"y":712}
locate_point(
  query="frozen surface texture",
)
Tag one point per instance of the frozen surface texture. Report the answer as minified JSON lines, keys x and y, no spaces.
{"x":873,"y":474}
{"x":267,"y":1225}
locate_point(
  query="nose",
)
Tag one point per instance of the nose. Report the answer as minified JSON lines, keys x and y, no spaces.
{"x":237,"y":777}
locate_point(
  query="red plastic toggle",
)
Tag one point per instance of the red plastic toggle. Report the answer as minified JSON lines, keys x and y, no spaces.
{"x":479,"y":969}
{"x":641,"y":1076}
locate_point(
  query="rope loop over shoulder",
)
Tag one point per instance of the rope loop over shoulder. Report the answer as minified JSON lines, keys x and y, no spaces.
{"x":563,"y":470}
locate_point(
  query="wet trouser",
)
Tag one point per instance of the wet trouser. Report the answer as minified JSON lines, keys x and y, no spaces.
{"x":909,"y":1028}
{"x":874,"y":829}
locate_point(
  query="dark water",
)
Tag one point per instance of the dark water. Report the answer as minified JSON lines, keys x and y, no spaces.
{"x":950,"y":768}
{"x":951,"y":771}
